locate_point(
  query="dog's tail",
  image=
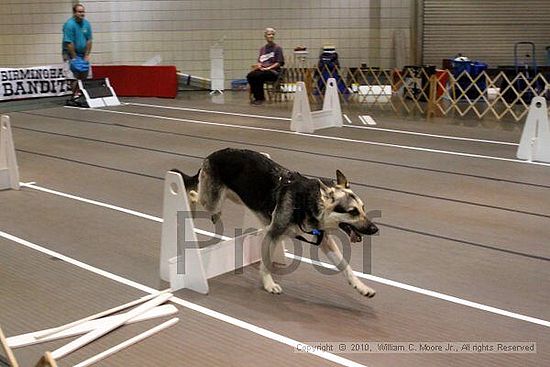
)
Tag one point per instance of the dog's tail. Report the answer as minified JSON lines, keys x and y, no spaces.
{"x":191,"y":182}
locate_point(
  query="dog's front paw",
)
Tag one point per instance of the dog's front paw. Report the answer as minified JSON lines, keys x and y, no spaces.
{"x":273,"y":288}
{"x":363,"y":289}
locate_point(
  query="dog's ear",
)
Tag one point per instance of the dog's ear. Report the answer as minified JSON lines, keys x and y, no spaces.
{"x":341,"y":180}
{"x":326,"y":192}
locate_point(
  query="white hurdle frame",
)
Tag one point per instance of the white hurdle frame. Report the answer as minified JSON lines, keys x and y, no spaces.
{"x":305,"y":121}
{"x":200,"y":264}
{"x":9,"y":171}
{"x":535,"y":138}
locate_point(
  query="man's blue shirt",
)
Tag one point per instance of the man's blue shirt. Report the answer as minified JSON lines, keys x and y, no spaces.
{"x":78,"y":34}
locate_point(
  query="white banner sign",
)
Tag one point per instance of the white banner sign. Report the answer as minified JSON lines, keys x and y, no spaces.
{"x":38,"y":81}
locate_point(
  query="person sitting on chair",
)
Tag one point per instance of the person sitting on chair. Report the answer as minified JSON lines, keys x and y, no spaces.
{"x":268,"y":67}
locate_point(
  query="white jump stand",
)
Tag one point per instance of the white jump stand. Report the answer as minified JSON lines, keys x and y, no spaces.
{"x":194,"y":266}
{"x":305,"y":121}
{"x":9,"y":171}
{"x":216,"y":69}
{"x":535,"y":139}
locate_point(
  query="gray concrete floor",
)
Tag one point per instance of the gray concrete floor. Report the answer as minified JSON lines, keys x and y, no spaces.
{"x":473,"y":225}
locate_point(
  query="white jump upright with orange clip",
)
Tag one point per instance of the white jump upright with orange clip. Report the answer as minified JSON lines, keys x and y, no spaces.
{"x":9,"y":171}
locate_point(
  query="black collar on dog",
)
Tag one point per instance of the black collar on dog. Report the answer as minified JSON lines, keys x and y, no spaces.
{"x":316,"y":232}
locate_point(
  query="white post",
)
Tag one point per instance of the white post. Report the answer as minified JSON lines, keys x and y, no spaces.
{"x":9,"y":171}
{"x":216,"y":69}
{"x":301,"y":120}
{"x":535,"y":139}
{"x":189,"y":274}
{"x":332,"y":102}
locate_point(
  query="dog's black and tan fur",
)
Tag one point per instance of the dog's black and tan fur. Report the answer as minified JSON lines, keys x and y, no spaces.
{"x":286,"y":202}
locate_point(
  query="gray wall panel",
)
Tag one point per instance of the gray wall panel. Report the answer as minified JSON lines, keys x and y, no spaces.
{"x":484,"y":30}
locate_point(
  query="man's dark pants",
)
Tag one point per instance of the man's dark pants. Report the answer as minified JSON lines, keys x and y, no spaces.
{"x":256,"y":80}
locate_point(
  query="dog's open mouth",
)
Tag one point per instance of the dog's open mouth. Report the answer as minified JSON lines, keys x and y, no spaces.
{"x":355,"y":233}
{"x":351,"y":231}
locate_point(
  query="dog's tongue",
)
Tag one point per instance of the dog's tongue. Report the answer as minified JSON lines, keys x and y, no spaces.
{"x":354,"y":237}
{"x":351,"y":232}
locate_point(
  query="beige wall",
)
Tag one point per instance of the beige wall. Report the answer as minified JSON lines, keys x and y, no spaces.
{"x":181,"y":32}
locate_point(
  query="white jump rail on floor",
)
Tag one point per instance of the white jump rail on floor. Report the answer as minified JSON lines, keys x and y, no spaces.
{"x":305,"y":121}
{"x":107,"y":327}
{"x":535,"y":139}
{"x":46,"y":333}
{"x":191,"y":267}
{"x":9,"y":171}
{"x":127,"y":343}
{"x":24,"y":340}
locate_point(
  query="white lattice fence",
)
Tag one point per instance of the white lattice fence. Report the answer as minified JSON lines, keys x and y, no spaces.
{"x":419,"y":90}
{"x":484,"y":95}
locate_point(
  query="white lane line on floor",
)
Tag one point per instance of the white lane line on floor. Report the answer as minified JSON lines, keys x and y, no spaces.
{"x":209,"y":111}
{"x":346,"y":140}
{"x":373,"y":278}
{"x":345,"y":116}
{"x":89,"y":201}
{"x":431,"y":135}
{"x":430,"y":293}
{"x":198,"y":308}
{"x":113,"y":207}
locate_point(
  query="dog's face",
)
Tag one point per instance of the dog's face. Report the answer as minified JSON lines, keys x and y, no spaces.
{"x":343,"y":209}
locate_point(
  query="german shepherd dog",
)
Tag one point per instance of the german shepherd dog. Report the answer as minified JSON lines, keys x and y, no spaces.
{"x":286,"y":203}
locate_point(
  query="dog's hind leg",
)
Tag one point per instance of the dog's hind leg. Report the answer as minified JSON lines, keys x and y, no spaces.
{"x":331,"y":250}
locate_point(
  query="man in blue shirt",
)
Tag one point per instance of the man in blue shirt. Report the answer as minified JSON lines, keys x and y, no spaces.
{"x":77,"y":45}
